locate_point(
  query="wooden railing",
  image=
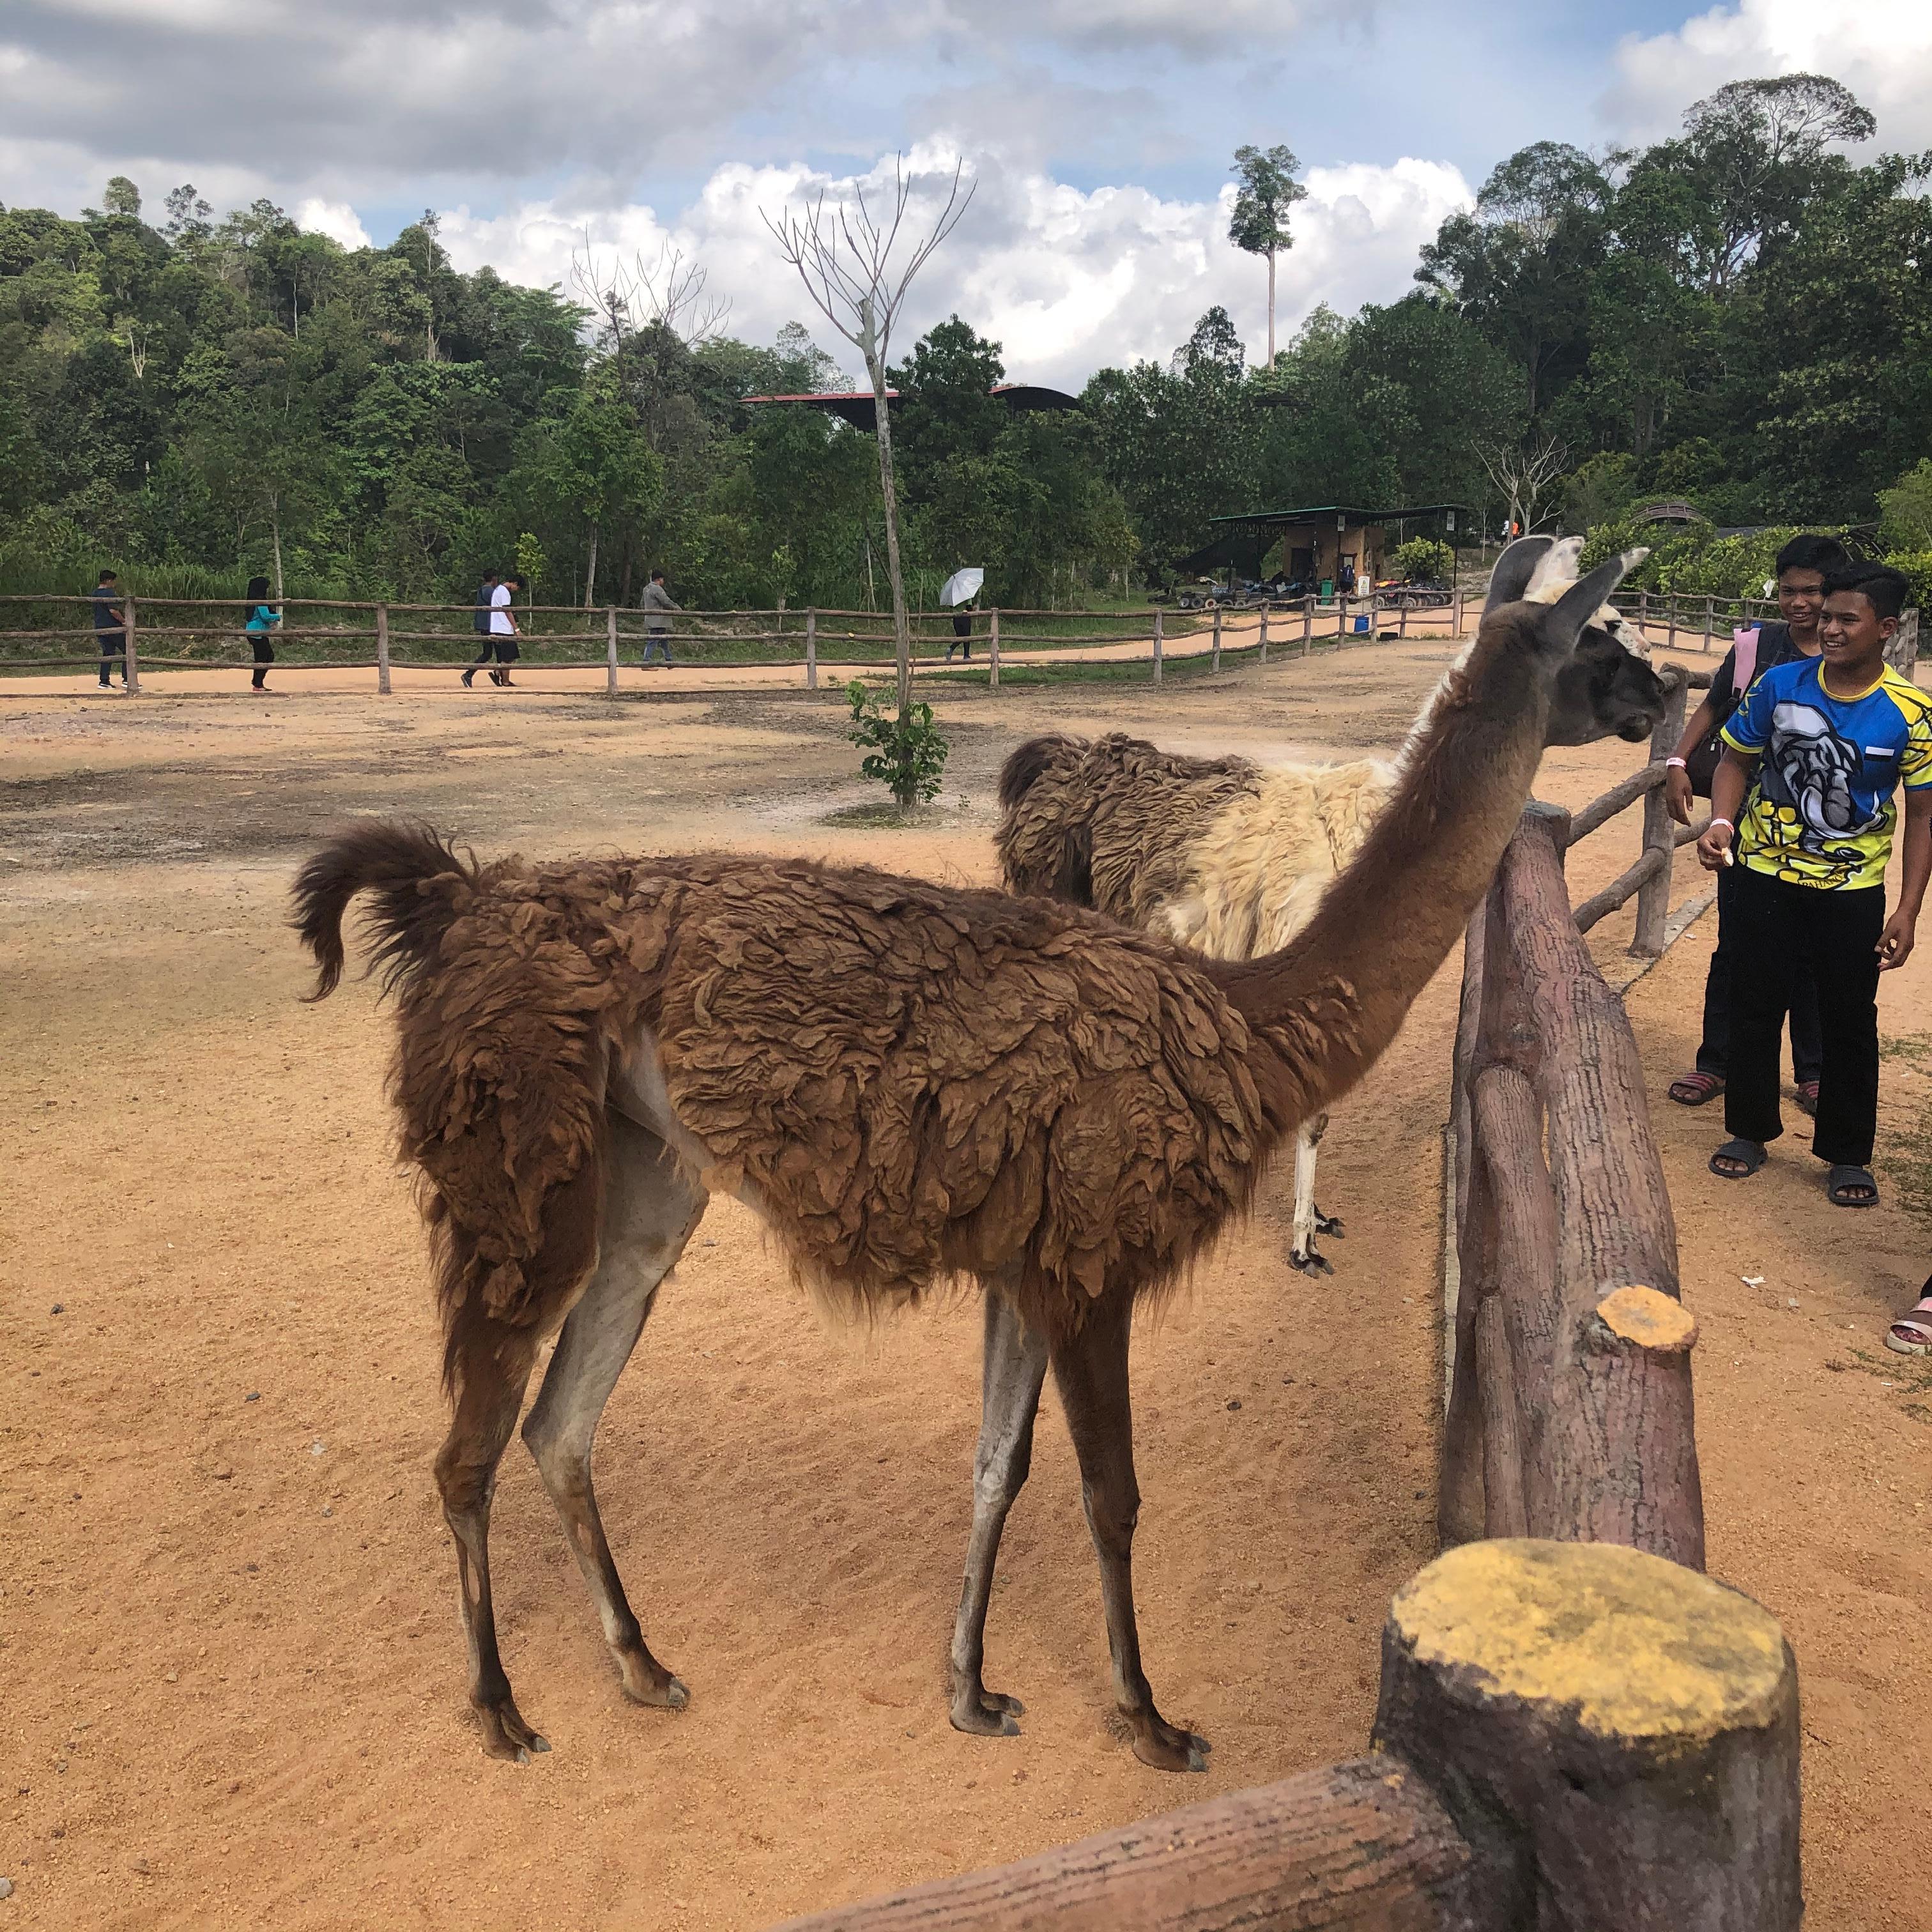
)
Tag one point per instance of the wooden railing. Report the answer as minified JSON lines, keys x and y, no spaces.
{"x":206,"y":633}
{"x":1689,"y":620}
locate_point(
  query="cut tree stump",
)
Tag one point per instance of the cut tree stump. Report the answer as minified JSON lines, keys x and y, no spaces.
{"x":1615,"y":1735}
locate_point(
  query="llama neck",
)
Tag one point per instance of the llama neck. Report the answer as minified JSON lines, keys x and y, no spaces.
{"x":1326,"y":1006}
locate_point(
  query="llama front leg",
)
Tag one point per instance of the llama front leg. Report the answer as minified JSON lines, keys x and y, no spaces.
{"x":493,"y":1365}
{"x":1090,"y":1370}
{"x":1013,"y":1370}
{"x":1309,"y":1220}
{"x":651,"y":1206}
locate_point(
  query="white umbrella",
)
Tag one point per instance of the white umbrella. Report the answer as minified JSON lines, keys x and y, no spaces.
{"x":962,"y":586}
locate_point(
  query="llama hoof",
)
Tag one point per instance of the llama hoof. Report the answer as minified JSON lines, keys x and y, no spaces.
{"x":1327,"y":1224}
{"x":671,"y":1695}
{"x":506,"y":1735}
{"x":1167,"y":1747}
{"x":987,"y":1713}
{"x":1313,"y":1262}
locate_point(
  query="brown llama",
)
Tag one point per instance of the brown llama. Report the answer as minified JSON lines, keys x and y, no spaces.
{"x":908,"y":1082}
{"x":1231,"y":857}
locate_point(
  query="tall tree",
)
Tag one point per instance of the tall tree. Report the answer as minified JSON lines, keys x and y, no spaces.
{"x":1268,"y":188}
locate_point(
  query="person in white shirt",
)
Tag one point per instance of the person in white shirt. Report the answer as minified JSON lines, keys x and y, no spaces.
{"x":503,"y":632}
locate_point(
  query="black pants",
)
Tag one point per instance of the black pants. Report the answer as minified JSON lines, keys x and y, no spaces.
{"x":113,"y":651}
{"x":1807,"y":1053}
{"x":264,"y":653}
{"x":1774,"y":926}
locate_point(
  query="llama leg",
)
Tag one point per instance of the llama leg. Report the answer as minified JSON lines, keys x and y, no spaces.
{"x":650,"y":1209}
{"x":1090,"y":1371}
{"x":494,"y":1366}
{"x":1014,"y":1369}
{"x":1308,"y":1220}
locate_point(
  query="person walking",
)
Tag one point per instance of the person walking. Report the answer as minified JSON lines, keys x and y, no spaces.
{"x":962,"y":632}
{"x":503,"y":632}
{"x":1802,"y":566}
{"x":654,"y":602}
{"x":481,"y":622}
{"x":262,"y":618}
{"x":1831,"y":739}
{"x":110,"y":628}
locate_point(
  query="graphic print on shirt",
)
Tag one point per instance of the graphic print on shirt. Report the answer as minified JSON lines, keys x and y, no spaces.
{"x":1806,"y":779}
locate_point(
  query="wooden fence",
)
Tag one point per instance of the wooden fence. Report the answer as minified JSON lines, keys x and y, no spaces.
{"x":1577,"y":1730}
{"x":1687,"y":622}
{"x":206,"y":634}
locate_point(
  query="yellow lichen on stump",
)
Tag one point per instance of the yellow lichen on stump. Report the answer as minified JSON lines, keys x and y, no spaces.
{"x":1636,"y":1648}
{"x":1650,"y":1319}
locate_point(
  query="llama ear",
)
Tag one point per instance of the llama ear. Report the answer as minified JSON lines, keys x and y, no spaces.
{"x":1555,"y":572}
{"x":1580,"y":603}
{"x":1513,"y":569}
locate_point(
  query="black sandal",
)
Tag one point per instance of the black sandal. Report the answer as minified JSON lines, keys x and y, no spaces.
{"x":1749,"y":1155}
{"x":1843,"y":1178}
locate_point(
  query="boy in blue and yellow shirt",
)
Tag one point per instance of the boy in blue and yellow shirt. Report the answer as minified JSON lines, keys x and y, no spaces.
{"x":1833,"y":738}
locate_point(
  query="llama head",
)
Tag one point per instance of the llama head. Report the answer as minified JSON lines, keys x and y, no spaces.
{"x":1606,"y":689}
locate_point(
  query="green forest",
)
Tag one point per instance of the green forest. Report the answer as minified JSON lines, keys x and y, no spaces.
{"x":1739,"y":317}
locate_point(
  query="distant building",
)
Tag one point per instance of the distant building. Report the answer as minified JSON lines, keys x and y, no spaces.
{"x":1308,"y":545}
{"x":856,"y":407}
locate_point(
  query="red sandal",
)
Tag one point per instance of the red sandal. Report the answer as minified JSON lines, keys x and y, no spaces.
{"x":1910,"y":1335}
{"x":1807,"y":1098}
{"x":1693,"y":1090}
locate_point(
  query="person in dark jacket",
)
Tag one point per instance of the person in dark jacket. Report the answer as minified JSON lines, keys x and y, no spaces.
{"x":263,"y":618}
{"x":485,"y":592}
{"x":110,"y":627}
{"x":1803,"y":565}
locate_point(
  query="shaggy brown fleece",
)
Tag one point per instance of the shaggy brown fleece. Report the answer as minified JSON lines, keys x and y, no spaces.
{"x":923,"y":1080}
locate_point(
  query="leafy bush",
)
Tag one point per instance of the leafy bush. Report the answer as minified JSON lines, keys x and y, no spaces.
{"x":1599,"y":491}
{"x":1907,"y":507}
{"x":906,"y":754}
{"x":1917,"y":564}
{"x":1424,"y":560}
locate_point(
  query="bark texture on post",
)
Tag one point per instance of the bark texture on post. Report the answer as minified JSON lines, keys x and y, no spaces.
{"x":130,"y":653}
{"x":1156,"y":646}
{"x":993,"y":649}
{"x":1653,"y":896}
{"x":382,"y":650}
{"x":811,"y":650}
{"x":1359,"y":1847}
{"x":1616,"y":1736}
{"x":1901,"y":649}
{"x":1600,"y":1409}
{"x":611,"y":651}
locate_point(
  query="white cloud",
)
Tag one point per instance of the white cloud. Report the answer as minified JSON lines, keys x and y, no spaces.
{"x":335,"y":219}
{"x":1067,"y":280}
{"x":1881,"y":49}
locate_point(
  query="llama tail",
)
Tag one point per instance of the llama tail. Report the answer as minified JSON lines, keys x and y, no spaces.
{"x":419,"y":884}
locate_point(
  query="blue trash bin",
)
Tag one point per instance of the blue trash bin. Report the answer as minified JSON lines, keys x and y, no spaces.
{"x":1361,"y":627}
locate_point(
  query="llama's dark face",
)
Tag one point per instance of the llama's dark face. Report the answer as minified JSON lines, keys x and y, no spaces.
{"x":1606,"y":691}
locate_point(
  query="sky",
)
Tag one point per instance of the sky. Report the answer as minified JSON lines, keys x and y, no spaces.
{"x":1096,"y":134}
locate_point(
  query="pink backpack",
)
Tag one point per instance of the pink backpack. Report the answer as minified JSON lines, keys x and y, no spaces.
{"x":1744,"y":643}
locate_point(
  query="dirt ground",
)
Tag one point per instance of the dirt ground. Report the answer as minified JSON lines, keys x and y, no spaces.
{"x":234,"y":1683}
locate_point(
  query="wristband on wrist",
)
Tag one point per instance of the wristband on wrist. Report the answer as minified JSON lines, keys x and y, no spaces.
{"x":1678,"y":762}
{"x":1724,"y":822}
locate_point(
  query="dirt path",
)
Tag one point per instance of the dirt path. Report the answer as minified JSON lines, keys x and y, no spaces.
{"x":234,"y":1675}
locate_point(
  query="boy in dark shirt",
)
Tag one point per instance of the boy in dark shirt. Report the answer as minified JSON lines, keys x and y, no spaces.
{"x":110,"y":627}
{"x":1829,"y":741}
{"x":1802,"y":566}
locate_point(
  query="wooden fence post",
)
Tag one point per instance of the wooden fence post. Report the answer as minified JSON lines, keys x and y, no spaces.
{"x":1616,"y":1737}
{"x":1156,"y":644}
{"x":611,"y":651}
{"x":1456,"y":614}
{"x":1660,"y":831}
{"x":1710,"y":620}
{"x":1375,"y":617}
{"x":1670,"y":612}
{"x":1643,"y":616}
{"x":382,"y":650}
{"x":1307,"y":623}
{"x":993,"y":649}
{"x":1217,"y":638}
{"x":1341,"y":619}
{"x":1265,"y":615}
{"x":1402,"y":619}
{"x":812,"y":649}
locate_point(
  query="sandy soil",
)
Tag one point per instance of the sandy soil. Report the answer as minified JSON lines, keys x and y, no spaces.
{"x":234,"y":1680}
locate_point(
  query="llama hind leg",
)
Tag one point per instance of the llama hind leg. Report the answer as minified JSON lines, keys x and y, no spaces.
{"x":493,"y":1367}
{"x":1015,"y":1367}
{"x":651,"y":1206}
{"x":1091,"y":1372}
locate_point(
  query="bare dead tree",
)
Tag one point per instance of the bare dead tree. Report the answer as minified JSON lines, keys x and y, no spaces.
{"x":845,"y":255}
{"x":665,"y":291}
{"x":1525,"y":476}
